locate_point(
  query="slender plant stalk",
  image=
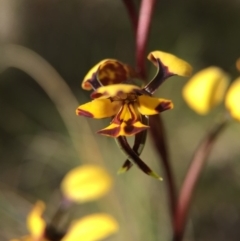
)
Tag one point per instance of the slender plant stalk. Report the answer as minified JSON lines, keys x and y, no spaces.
{"x":144,"y":21}
{"x":159,"y":140}
{"x":191,"y":179}
{"x":133,"y":15}
{"x":55,"y":87}
{"x":157,"y":128}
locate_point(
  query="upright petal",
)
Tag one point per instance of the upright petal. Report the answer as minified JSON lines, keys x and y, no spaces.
{"x":206,"y":89}
{"x":232,"y":100}
{"x":92,"y":73}
{"x":115,"y":72}
{"x":152,"y":106}
{"x":92,"y":228}
{"x":175,"y":65}
{"x":99,"y":108}
{"x":86,"y":183}
{"x":109,"y":71}
{"x":116,"y":90}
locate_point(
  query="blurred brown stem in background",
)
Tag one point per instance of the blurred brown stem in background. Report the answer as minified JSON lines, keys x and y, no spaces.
{"x":157,"y":127}
{"x":54,"y":85}
{"x":143,"y":28}
{"x":192,"y":177}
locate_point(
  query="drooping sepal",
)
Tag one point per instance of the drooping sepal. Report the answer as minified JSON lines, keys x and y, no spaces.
{"x":133,"y":157}
{"x":139,"y":143}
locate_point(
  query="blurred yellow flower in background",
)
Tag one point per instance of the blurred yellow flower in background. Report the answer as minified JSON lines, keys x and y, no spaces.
{"x":35,"y":222}
{"x":232,"y":100}
{"x":86,"y":183}
{"x":92,"y":227}
{"x":206,"y":89}
{"x":82,"y":184}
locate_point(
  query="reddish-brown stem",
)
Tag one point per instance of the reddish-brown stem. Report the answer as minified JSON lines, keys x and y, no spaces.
{"x":192,"y":178}
{"x":144,"y":21}
{"x":157,"y":128}
{"x":159,"y":140}
{"x":133,"y":15}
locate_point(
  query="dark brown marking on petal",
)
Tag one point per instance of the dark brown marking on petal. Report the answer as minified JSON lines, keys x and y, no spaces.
{"x":134,"y":116}
{"x":117,"y":119}
{"x":110,"y":132}
{"x":94,"y":82}
{"x":96,"y":95}
{"x":112,"y":73}
{"x":131,"y":129}
{"x":84,"y":113}
{"x":164,"y":105}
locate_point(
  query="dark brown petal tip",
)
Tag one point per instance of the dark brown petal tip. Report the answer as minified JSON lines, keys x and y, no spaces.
{"x":84,"y":113}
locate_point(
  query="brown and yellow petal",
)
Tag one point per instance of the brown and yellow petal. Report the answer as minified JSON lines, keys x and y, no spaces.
{"x":109,"y":71}
{"x":35,"y":222}
{"x":92,"y":228}
{"x":123,"y":129}
{"x":232,"y":99}
{"x":175,"y":65}
{"x":117,"y":90}
{"x":99,"y":108}
{"x":114,"y":72}
{"x":152,"y":106}
{"x":91,"y":73}
{"x":127,"y":113}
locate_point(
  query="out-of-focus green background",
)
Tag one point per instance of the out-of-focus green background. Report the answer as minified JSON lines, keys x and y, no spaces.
{"x":36,"y":149}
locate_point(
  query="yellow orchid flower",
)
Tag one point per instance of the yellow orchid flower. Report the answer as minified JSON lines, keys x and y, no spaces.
{"x":116,"y":96}
{"x":232,"y":100}
{"x":206,"y":89}
{"x":86,"y":183}
{"x":89,"y":228}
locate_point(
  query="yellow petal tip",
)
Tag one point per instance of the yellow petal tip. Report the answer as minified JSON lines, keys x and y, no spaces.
{"x":175,"y":65}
